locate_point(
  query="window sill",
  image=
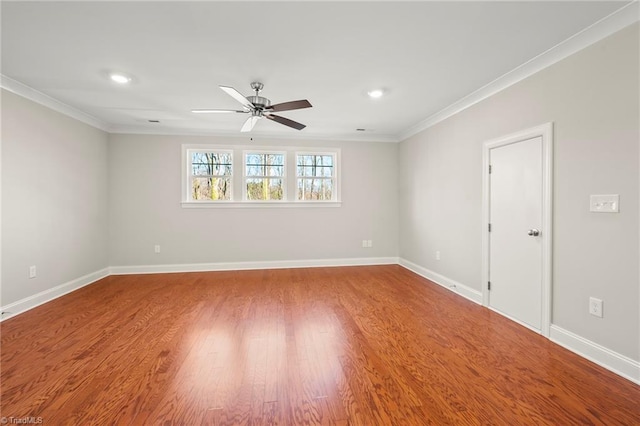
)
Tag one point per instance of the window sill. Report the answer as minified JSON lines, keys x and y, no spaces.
{"x":257,"y":204}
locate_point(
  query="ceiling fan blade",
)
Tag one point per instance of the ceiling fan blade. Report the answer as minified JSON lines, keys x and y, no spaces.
{"x":248,"y":125}
{"x":288,"y":106}
{"x":286,"y":121}
{"x":216,"y":111}
{"x":237,"y":96}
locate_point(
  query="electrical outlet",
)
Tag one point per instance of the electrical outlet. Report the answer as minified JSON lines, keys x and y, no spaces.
{"x":595,"y":307}
{"x":156,"y":248}
{"x":438,"y":255}
{"x":32,"y":271}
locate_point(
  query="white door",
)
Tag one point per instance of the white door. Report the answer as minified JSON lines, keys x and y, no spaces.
{"x":515,"y":236}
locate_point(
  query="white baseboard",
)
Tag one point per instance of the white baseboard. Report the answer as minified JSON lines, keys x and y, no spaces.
{"x":238,"y":266}
{"x":454,"y":286}
{"x":38,"y":299}
{"x":612,"y":361}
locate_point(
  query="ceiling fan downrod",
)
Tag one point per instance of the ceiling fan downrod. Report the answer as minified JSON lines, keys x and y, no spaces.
{"x":258,"y":102}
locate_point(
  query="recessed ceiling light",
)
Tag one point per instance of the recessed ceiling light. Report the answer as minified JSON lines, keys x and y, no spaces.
{"x":119,"y":78}
{"x":376,"y":93}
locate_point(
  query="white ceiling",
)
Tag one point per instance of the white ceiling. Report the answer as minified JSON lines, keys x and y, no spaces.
{"x":426,"y":55}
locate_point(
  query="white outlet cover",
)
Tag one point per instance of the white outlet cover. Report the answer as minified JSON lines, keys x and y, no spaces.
{"x":595,"y":307}
{"x":606,"y":203}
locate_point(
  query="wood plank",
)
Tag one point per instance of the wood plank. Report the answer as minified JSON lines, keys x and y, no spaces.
{"x":348,"y":345}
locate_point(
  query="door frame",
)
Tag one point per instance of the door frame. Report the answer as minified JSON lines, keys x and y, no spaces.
{"x":546,"y":132}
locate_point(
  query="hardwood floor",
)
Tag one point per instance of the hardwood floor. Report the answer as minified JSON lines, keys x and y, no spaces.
{"x":349,"y":346}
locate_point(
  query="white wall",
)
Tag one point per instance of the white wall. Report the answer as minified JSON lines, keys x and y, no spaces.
{"x":54,"y":198}
{"x":592,"y":99}
{"x":145,"y":195}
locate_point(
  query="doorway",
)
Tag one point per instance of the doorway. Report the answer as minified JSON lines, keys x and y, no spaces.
{"x":517,"y":215}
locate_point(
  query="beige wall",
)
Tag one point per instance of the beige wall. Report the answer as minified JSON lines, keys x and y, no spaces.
{"x":592,"y":99}
{"x":145,"y":195}
{"x":54,"y":198}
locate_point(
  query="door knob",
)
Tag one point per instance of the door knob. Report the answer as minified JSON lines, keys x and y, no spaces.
{"x":533,"y":232}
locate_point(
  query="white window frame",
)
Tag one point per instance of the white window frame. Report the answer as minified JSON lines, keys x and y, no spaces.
{"x":238,"y":187}
{"x":335,"y":192}
{"x":245,"y":177}
{"x":187,"y":172}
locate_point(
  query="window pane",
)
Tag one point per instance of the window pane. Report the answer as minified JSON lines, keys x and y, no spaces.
{"x":200,"y":169}
{"x":255,"y":189}
{"x":315,"y":189}
{"x":254,"y":159}
{"x":326,"y":171}
{"x":327,"y":160}
{"x":315,"y":165}
{"x":265,"y":165}
{"x":211,"y":188}
{"x":211,"y":163}
{"x":274,"y":159}
{"x":265,"y":189}
{"x":276,"y":170}
{"x":275,"y":189}
{"x":305,"y":160}
{"x":255,"y":170}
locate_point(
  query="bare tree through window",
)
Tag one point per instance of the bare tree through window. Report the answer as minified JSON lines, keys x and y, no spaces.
{"x":264,"y":176}
{"x":315,"y":177}
{"x":211,"y":175}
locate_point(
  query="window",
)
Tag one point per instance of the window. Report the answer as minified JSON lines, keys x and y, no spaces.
{"x":249,"y":176}
{"x":316,"y":176}
{"x":264,"y":176}
{"x":210,"y":175}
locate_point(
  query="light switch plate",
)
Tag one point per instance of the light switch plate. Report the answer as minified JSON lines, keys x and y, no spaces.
{"x":609,"y":203}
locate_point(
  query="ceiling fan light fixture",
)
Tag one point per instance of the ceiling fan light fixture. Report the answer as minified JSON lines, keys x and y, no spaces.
{"x":375,"y":93}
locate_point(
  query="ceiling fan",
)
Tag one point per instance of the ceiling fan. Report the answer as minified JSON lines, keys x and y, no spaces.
{"x":259,"y":107}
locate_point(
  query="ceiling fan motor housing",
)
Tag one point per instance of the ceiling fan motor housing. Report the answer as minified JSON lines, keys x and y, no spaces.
{"x":259,"y":102}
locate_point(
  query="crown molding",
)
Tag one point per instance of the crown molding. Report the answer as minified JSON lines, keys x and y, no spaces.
{"x":623,"y":17}
{"x":32,"y":94}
